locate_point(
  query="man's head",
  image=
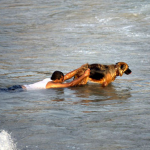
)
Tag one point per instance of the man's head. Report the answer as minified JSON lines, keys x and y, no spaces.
{"x":57,"y":75}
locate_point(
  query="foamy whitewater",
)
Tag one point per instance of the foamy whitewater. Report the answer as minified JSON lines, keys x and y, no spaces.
{"x":6,"y":141}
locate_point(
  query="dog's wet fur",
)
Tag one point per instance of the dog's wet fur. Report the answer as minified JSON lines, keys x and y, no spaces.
{"x":104,"y":74}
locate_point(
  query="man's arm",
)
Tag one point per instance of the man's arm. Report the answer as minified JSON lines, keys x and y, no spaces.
{"x":70,"y":84}
{"x":72,"y":73}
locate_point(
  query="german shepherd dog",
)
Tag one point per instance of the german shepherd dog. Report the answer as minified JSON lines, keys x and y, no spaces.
{"x":103,"y":74}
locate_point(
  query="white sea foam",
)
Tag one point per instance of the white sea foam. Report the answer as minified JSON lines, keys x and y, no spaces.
{"x":6,"y":142}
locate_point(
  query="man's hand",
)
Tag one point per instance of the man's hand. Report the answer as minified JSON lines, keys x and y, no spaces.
{"x":87,"y":73}
{"x":82,"y":69}
{"x":85,"y":66}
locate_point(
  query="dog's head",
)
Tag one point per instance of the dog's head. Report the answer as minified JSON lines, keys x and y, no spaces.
{"x":123,"y":67}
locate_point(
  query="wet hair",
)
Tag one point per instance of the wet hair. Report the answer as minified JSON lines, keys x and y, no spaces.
{"x":57,"y":75}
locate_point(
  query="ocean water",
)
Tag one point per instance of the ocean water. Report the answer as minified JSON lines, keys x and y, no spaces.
{"x":40,"y":36}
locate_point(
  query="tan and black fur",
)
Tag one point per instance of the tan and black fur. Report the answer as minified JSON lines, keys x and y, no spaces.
{"x":103,"y":74}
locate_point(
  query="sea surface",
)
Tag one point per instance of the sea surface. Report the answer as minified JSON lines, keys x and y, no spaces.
{"x":40,"y":36}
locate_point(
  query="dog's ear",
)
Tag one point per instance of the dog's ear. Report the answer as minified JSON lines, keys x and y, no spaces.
{"x":122,"y":67}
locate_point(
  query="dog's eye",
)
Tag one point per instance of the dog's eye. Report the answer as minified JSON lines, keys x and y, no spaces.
{"x":122,"y":67}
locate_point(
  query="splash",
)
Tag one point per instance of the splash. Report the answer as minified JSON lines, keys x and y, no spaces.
{"x":6,"y":142}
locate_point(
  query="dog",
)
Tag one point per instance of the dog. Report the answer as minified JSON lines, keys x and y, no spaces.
{"x":103,"y":74}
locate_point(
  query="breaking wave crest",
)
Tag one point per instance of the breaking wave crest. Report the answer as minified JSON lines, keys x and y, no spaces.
{"x":6,"y":141}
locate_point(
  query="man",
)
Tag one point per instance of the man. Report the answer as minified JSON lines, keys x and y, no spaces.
{"x":56,"y":81}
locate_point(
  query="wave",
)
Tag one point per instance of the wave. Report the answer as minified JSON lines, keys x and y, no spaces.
{"x":6,"y":141}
